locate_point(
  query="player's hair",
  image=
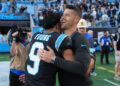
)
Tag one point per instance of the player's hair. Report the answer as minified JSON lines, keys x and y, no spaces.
{"x":50,"y":20}
{"x":76,"y":9}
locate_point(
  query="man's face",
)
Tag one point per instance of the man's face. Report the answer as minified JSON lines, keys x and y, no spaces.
{"x":105,"y":34}
{"x":82,"y":30}
{"x":68,"y":19}
{"x":119,"y":30}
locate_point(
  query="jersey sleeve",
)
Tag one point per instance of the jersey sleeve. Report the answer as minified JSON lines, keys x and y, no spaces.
{"x":62,"y":43}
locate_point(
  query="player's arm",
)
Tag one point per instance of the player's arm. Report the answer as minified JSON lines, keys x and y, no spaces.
{"x":79,"y":66}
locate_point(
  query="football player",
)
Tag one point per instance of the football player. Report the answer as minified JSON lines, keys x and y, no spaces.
{"x":38,"y":72}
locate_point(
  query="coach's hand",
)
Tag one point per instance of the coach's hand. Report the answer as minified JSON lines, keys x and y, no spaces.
{"x":46,"y":55}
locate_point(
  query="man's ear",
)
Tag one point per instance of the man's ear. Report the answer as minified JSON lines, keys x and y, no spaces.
{"x":77,"y":19}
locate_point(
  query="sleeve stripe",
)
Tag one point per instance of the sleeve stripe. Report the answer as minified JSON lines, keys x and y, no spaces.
{"x":59,"y":41}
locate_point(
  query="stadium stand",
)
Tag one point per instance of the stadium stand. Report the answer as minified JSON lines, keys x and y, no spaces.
{"x":102,"y":13}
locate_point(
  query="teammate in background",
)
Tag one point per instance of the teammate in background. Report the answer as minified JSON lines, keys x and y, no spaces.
{"x":82,"y":28}
{"x":116,"y":44}
{"x":105,"y":47}
{"x":38,"y":72}
{"x":72,"y":73}
{"x":18,"y":56}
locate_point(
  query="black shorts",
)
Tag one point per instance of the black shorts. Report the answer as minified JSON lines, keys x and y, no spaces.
{"x":14,"y":80}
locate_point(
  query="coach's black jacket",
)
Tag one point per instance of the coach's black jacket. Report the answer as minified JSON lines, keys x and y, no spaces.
{"x":73,"y":73}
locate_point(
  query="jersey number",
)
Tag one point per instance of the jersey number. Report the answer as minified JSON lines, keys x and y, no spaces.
{"x":33,"y":70}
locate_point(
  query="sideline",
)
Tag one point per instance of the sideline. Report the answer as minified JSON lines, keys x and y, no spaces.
{"x":4,"y":73}
{"x":113,"y":83}
{"x":105,"y":69}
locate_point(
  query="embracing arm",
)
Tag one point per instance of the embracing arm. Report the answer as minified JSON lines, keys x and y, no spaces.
{"x":79,"y":66}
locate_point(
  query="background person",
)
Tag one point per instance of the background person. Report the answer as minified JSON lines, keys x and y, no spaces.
{"x":18,"y":56}
{"x":116,"y":44}
{"x":82,"y":28}
{"x":104,"y":47}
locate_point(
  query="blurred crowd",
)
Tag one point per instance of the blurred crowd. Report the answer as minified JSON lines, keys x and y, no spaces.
{"x":98,"y":13}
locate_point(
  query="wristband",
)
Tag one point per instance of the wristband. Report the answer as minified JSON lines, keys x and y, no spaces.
{"x":53,"y":60}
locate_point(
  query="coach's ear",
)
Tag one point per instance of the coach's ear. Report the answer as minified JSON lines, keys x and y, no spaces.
{"x":77,"y":18}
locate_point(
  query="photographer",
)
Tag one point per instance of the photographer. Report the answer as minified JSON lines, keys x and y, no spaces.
{"x":18,"y":55}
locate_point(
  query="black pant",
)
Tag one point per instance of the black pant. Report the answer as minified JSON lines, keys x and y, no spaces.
{"x":105,"y":51}
{"x":14,"y":80}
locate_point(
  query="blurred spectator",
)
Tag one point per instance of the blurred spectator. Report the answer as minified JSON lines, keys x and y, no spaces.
{"x":117,"y":4}
{"x":8,"y":3}
{"x":99,"y":14}
{"x":22,"y":9}
{"x":56,"y":9}
{"x":104,"y":17}
{"x":45,"y":2}
{"x":85,"y":15}
{"x":109,"y":11}
{"x":41,"y":17}
{"x":36,"y":19}
{"x":93,"y":23}
{"x":4,"y":9}
{"x":99,"y":22}
{"x":118,"y":19}
{"x":1,"y":38}
{"x":114,"y":10}
{"x":111,"y":4}
{"x":94,"y":13}
{"x":112,"y":21}
{"x":85,"y":8}
{"x":13,"y":6}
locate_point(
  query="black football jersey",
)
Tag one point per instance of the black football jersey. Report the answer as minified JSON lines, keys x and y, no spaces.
{"x":38,"y":72}
{"x":72,"y":72}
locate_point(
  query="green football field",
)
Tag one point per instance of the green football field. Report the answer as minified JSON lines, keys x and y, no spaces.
{"x":105,"y":72}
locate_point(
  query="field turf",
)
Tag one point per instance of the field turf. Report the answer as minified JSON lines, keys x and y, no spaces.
{"x":105,"y":72}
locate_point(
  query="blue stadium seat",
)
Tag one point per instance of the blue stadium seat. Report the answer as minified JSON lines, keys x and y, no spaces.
{"x":4,"y":47}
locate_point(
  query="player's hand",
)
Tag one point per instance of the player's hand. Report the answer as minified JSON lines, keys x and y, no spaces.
{"x":46,"y":55}
{"x":116,"y":53}
{"x":22,"y":78}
